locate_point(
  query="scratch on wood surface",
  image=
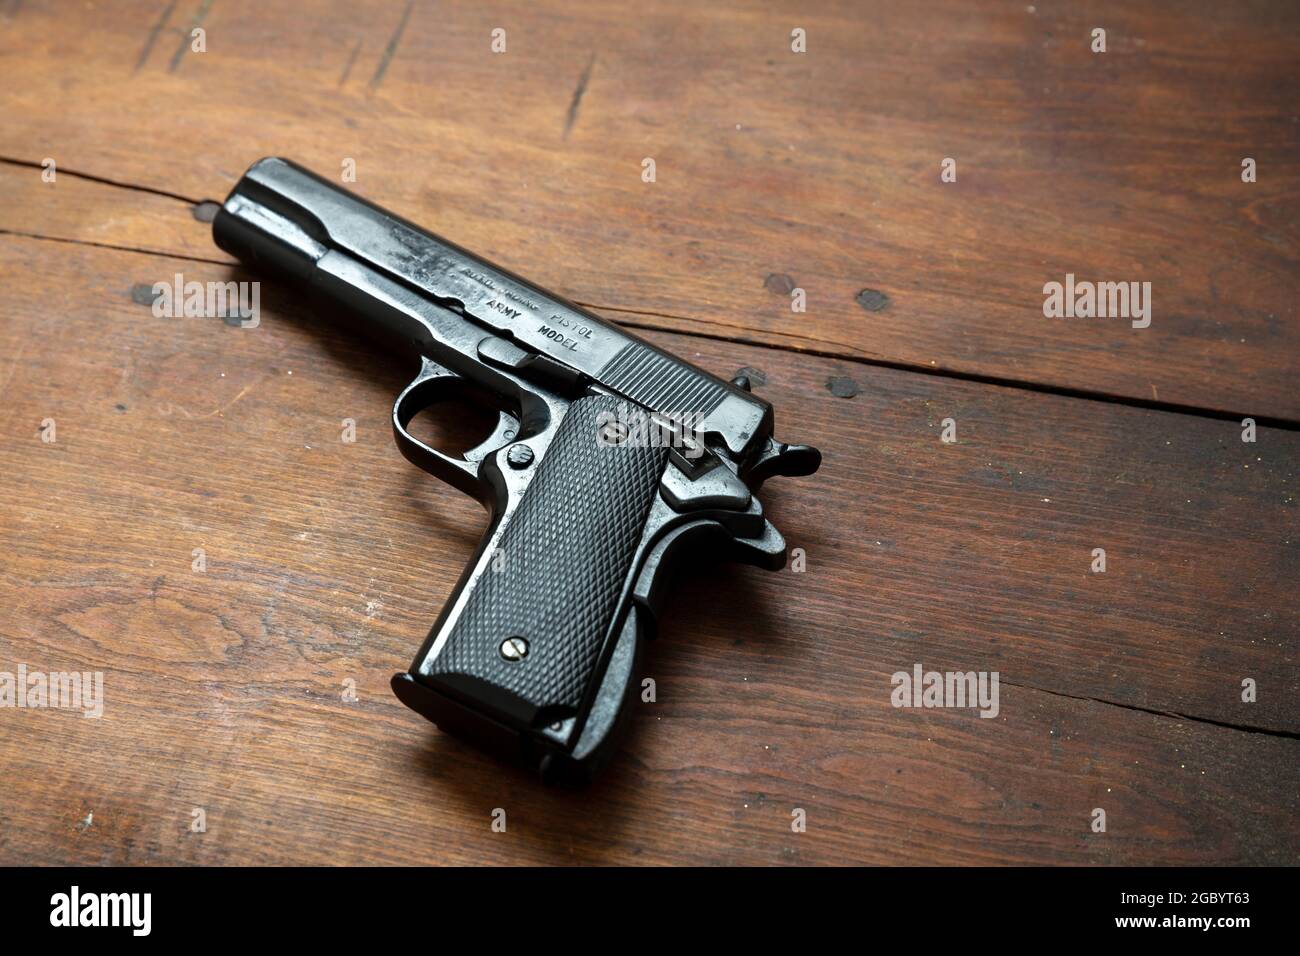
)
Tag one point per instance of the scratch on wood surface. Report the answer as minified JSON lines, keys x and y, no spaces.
{"x":577,"y":96}
{"x":392,"y":46}
{"x":168,"y":407}
{"x":153,"y":36}
{"x":347,"y":70}
{"x":277,"y":592}
{"x":13,"y":365}
{"x":199,"y":16}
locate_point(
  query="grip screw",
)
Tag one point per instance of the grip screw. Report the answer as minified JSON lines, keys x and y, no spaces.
{"x":612,"y":433}
{"x":514,"y":649}
{"x":519,"y":456}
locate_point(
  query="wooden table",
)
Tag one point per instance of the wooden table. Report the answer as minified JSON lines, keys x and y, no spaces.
{"x":326,"y":562}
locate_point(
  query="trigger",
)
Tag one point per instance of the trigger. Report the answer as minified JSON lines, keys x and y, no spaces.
{"x":507,"y":427}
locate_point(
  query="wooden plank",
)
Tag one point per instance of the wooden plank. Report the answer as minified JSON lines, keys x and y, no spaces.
{"x":74,"y":209}
{"x":774,"y":169}
{"x":326,"y":562}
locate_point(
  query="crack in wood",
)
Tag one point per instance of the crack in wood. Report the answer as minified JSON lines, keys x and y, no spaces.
{"x":102,"y":180}
{"x":1168,"y":714}
{"x":107,"y":245}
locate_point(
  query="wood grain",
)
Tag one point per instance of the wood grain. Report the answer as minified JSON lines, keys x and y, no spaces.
{"x":326,"y":562}
{"x":774,"y":169}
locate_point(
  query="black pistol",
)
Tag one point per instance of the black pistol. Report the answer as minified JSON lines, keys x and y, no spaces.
{"x":610,"y":457}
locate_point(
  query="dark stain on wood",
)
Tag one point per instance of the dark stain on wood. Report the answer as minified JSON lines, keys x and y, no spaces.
{"x":778,"y":283}
{"x":873,"y":300}
{"x":842,"y":386}
{"x":142,"y":293}
{"x":205,"y":211}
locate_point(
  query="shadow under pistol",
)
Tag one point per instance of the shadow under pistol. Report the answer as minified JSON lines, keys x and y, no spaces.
{"x":610,"y":457}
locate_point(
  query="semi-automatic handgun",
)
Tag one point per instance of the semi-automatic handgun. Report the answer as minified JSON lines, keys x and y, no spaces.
{"x":610,"y":458}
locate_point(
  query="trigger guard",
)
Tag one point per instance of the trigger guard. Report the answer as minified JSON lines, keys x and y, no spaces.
{"x":433,"y":384}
